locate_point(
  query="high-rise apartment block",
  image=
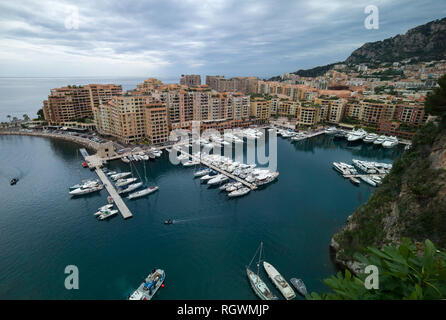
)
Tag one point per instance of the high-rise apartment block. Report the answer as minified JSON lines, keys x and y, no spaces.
{"x":190,"y":80}
{"x":76,"y":102}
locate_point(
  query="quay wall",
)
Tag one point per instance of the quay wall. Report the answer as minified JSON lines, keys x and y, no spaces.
{"x":82,"y":141}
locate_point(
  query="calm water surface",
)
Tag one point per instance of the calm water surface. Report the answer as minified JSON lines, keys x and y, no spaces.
{"x":42,"y":229}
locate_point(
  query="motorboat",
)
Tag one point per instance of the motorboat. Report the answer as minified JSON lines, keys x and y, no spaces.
{"x":169,"y":221}
{"x":86,"y":190}
{"x":142,"y":193}
{"x":107,"y":206}
{"x":331,"y":130}
{"x":124,"y":182}
{"x":85,"y":184}
{"x":299,"y":285}
{"x":390,"y":142}
{"x":279,"y":281}
{"x":234,"y":187}
{"x":121,"y":175}
{"x":202,"y":172}
{"x":340,"y":134}
{"x":149,"y":286}
{"x":370,"y":138}
{"x":13,"y":181}
{"x":209,"y":176}
{"x":129,"y":188}
{"x":107,"y":214}
{"x":354,"y":180}
{"x":191,"y":163}
{"x":125,"y":160}
{"x":110,"y":173}
{"x":218,"y":179}
{"x":380,"y":140}
{"x":356,"y":135}
{"x":368,"y":180}
{"x":103,"y":211}
{"x":257,"y":284}
{"x":240,"y":192}
{"x":226,"y":185}
{"x":265,"y":178}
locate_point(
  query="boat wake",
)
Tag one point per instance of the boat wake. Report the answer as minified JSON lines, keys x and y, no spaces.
{"x":194,"y":219}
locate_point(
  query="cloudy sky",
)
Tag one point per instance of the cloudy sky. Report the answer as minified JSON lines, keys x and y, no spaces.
{"x":166,"y":38}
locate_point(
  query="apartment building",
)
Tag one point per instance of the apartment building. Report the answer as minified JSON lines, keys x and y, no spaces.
{"x":308,"y":114}
{"x":237,"y":84}
{"x":132,"y":118}
{"x":261,"y":108}
{"x":190,"y":80}
{"x":76,"y":102}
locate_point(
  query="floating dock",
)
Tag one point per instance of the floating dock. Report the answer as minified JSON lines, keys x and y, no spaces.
{"x":122,"y":207}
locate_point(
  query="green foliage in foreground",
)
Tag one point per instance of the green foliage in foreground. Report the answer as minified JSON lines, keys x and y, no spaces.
{"x":403,"y":275}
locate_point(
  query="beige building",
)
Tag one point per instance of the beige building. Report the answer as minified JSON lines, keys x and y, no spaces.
{"x":190,"y":80}
{"x":261,"y":108}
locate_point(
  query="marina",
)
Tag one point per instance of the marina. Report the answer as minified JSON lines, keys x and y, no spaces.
{"x":207,"y":227}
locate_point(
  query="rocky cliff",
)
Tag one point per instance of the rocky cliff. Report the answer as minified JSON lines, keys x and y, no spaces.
{"x":411,"y":202}
{"x":424,"y":43}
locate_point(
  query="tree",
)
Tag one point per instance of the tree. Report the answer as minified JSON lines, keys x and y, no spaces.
{"x":403,"y":274}
{"x":9,"y":117}
{"x":25,"y":117}
{"x":436,"y":100}
{"x":40,"y":115}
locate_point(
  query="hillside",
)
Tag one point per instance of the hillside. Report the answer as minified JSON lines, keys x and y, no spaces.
{"x":411,"y":202}
{"x":423,"y":43}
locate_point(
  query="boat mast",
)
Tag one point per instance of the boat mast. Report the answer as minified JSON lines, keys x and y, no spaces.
{"x":260,"y":257}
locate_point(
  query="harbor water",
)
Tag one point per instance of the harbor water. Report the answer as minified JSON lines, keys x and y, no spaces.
{"x":204,"y":254}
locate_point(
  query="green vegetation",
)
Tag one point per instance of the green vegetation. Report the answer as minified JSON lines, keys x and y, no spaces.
{"x":403,"y":274}
{"x":436,"y":100}
{"x":40,"y":115}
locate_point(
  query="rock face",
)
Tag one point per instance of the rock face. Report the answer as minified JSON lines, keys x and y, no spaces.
{"x":411,"y":202}
{"x":426,"y":43}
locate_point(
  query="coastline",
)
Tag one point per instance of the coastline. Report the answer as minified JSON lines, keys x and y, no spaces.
{"x":82,"y":141}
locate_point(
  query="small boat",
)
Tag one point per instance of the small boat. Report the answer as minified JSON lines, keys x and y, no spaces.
{"x":226,"y":185}
{"x":13,"y":181}
{"x":234,"y":187}
{"x":370,"y":138}
{"x":169,"y":221}
{"x":125,"y":160}
{"x":368,"y":180}
{"x":149,"y":286}
{"x":142,"y":193}
{"x":84,"y":184}
{"x":240,"y":192}
{"x":354,"y":180}
{"x":279,"y":281}
{"x":380,"y":140}
{"x":299,"y":285}
{"x":218,"y":179}
{"x":356,"y":135}
{"x":331,"y":130}
{"x":102,"y":212}
{"x":107,"y":206}
{"x":209,"y":176}
{"x":82,"y":191}
{"x":84,"y":164}
{"x":110,"y":173}
{"x":121,"y":175}
{"x":191,"y":163}
{"x":390,"y":142}
{"x":202,"y":172}
{"x":129,"y":188}
{"x":107,"y":214}
{"x":124,"y":182}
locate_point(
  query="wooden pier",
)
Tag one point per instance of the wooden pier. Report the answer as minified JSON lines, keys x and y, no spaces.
{"x":125,"y":212}
{"x":229,"y":175}
{"x":96,"y":164}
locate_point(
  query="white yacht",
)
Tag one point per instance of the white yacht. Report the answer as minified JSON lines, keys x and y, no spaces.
{"x":356,"y":135}
{"x":129,"y":188}
{"x":380,"y":140}
{"x":370,"y":138}
{"x":191,"y":163}
{"x":218,"y":179}
{"x":124,"y":182}
{"x":234,"y":187}
{"x":107,"y":214}
{"x":202,"y":172}
{"x":331,"y":130}
{"x":85,"y":184}
{"x":121,"y":175}
{"x":279,"y":281}
{"x":368,"y":180}
{"x":257,"y":284}
{"x":239,"y":192}
{"x":86,"y":190}
{"x":390,"y":142}
{"x":142,"y":193}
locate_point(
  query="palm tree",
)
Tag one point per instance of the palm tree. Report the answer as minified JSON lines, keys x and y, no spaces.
{"x":9,"y":117}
